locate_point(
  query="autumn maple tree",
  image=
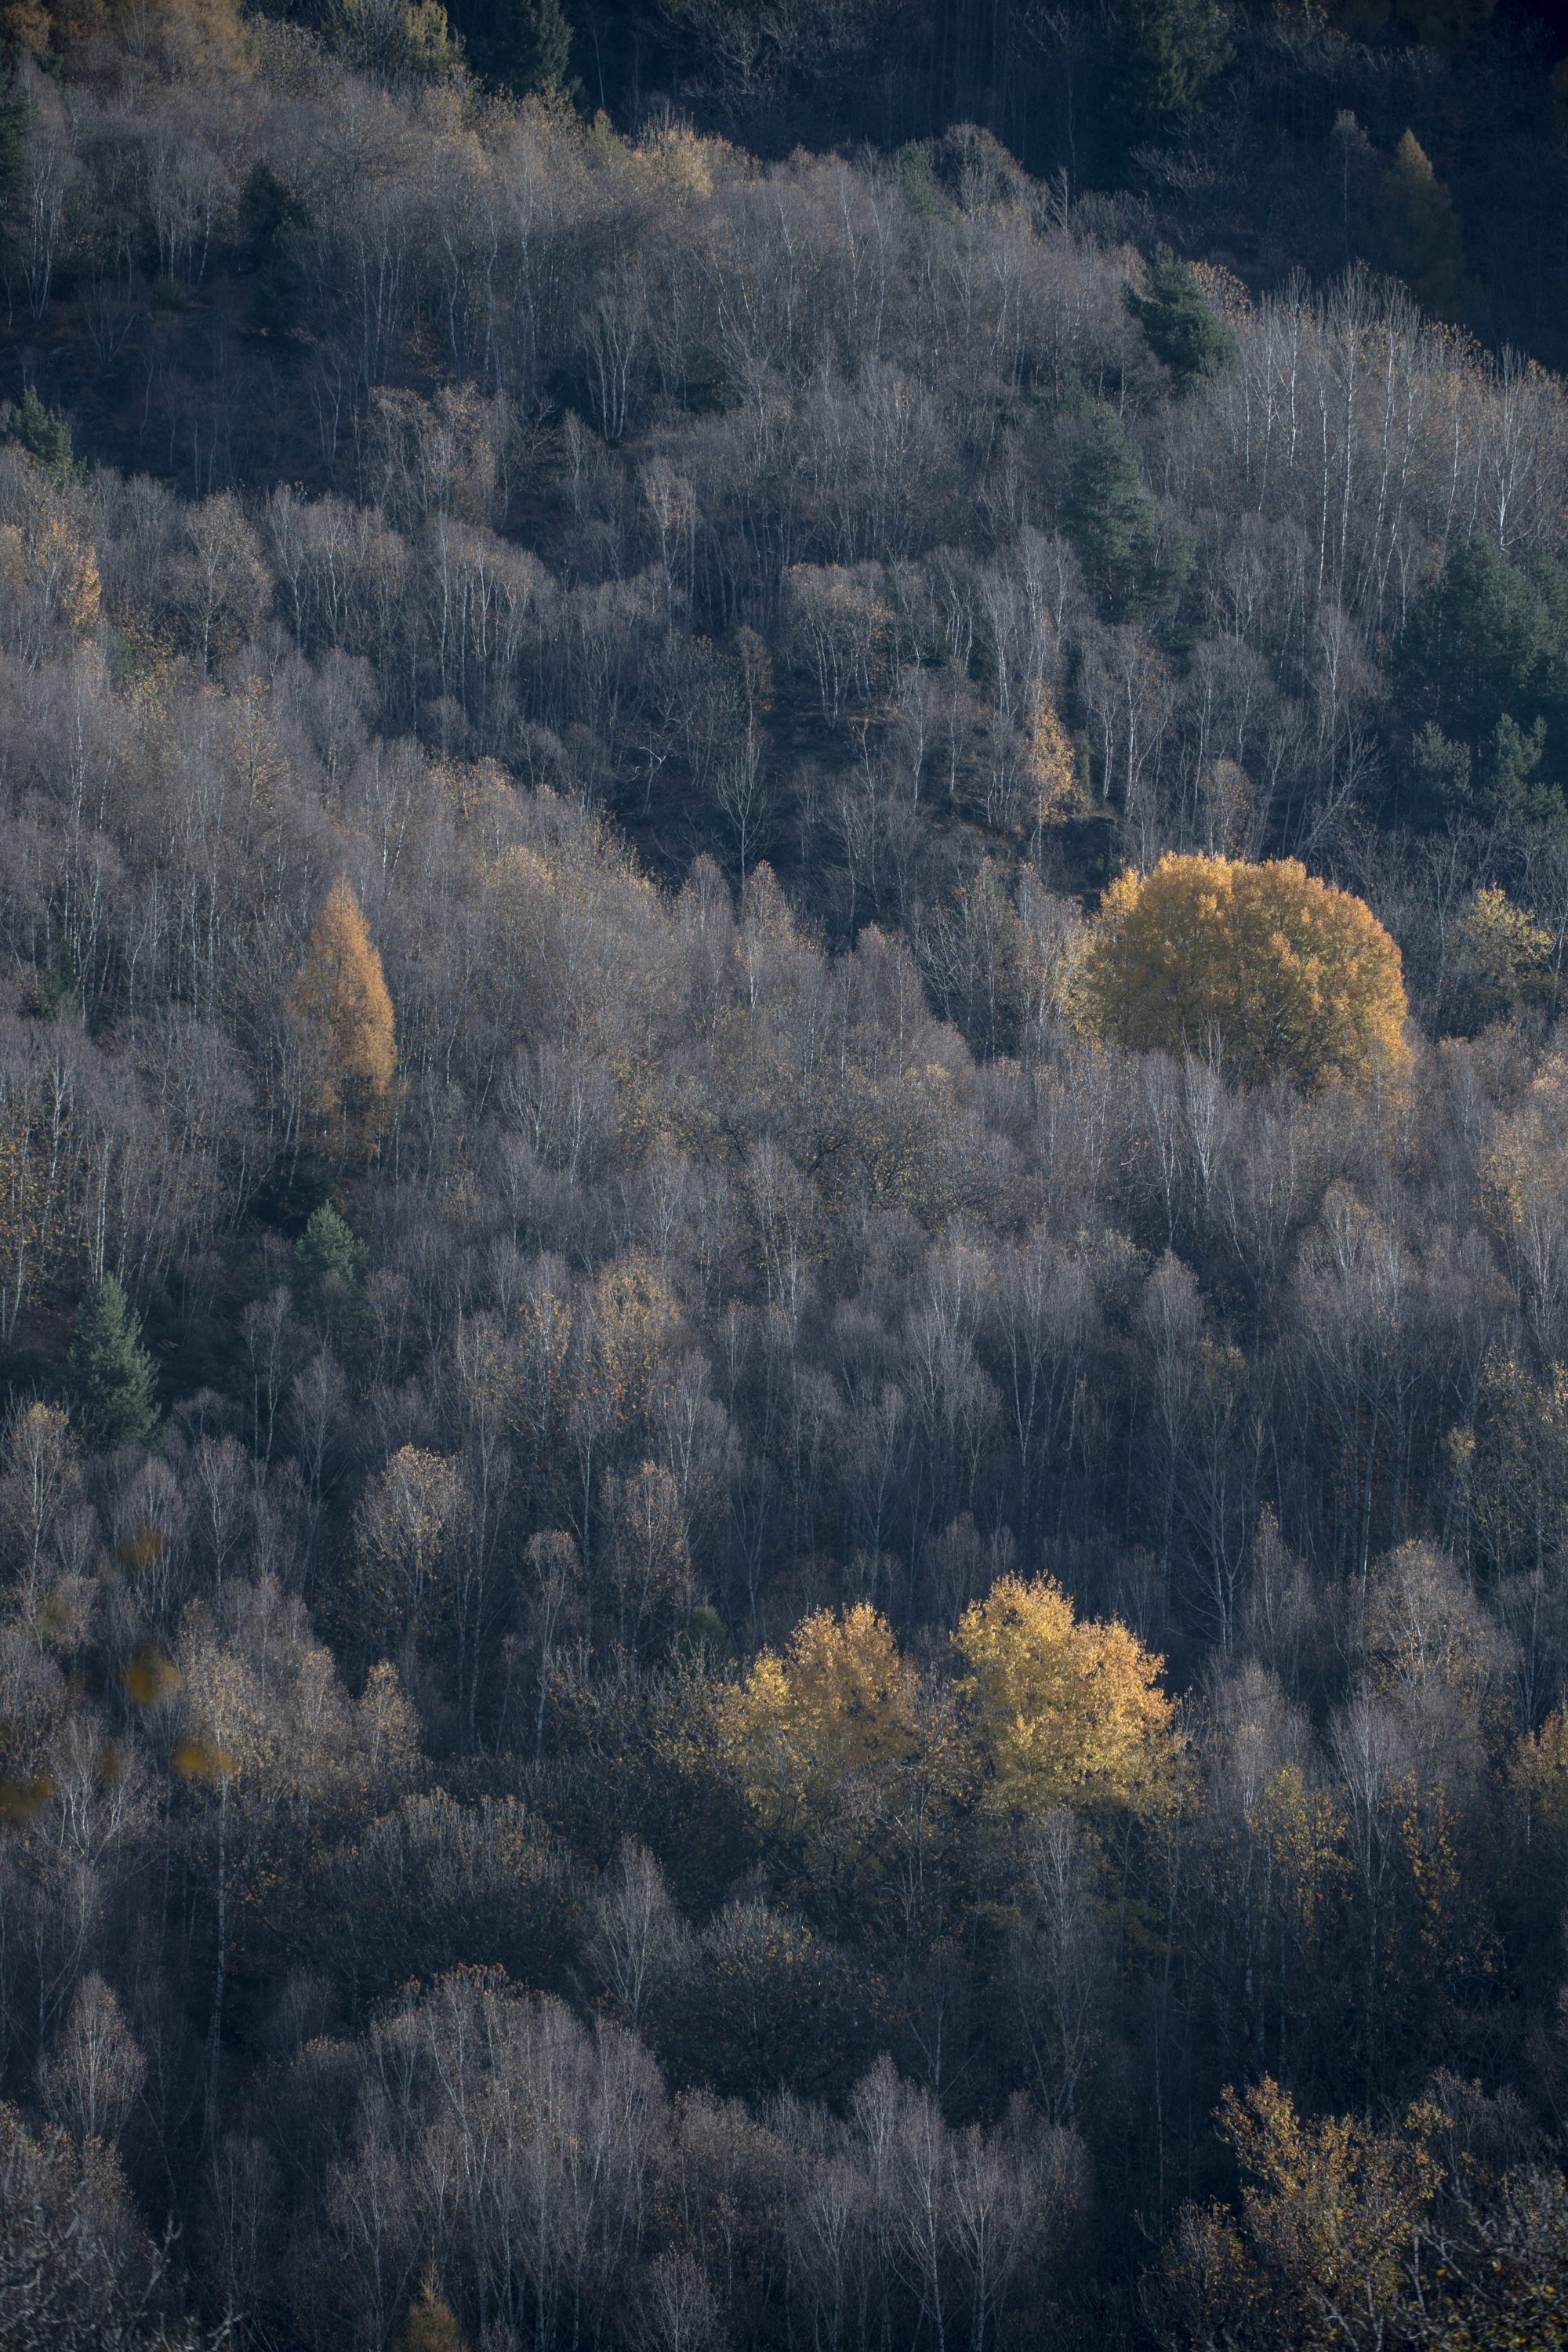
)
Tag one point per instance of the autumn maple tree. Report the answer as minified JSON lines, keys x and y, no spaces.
{"x":1265,"y":968}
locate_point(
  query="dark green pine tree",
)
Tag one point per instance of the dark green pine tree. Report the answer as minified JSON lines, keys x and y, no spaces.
{"x":1165,"y":55}
{"x":1109,"y":519}
{"x":517,"y":45}
{"x":1480,"y":672}
{"x":15,"y":116}
{"x":1180,"y":327}
{"x":1484,"y":639}
{"x":46,"y":436}
{"x":109,"y":1370}
{"x":272,"y":220}
{"x":328,"y":1245}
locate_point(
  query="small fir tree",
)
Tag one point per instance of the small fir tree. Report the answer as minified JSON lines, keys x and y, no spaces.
{"x":1110,"y":518}
{"x":110,"y":1372}
{"x":328,"y":1245}
{"x":29,"y":25}
{"x":1180,"y":327}
{"x":1165,"y":56}
{"x":520,"y":45}
{"x":46,"y":436}
{"x":273,"y":220}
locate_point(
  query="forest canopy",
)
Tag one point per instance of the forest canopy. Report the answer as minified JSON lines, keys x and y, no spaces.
{"x":783,"y":1213}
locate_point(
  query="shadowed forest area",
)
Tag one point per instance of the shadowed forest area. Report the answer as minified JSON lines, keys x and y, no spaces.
{"x":783,"y":1178}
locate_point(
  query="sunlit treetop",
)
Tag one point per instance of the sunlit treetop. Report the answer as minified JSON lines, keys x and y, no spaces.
{"x":1269,"y":970}
{"x":1067,"y":1711}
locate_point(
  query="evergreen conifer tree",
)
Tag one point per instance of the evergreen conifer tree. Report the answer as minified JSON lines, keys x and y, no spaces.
{"x":273,"y":219}
{"x":46,"y":436}
{"x":517,"y":45}
{"x":16,"y":114}
{"x":1180,"y":327}
{"x":1480,"y":670}
{"x":1110,"y":518}
{"x":1164,"y":56}
{"x":110,"y":1372}
{"x":328,"y":1246}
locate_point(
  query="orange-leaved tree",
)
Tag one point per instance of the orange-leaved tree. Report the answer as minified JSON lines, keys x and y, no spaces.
{"x":1271,"y":970}
{"x":340,"y":999}
{"x":1066,"y":1712}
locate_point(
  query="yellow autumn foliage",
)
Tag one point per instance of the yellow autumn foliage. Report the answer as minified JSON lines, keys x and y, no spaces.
{"x":679,"y":163}
{"x":841,"y":1700}
{"x":47,"y":560}
{"x":1066,"y":1712}
{"x":1498,"y":956}
{"x":1329,"y":2202}
{"x":1524,"y":1178}
{"x":342,"y":1001}
{"x":1538,"y":1782}
{"x":1276,"y":973}
{"x":1052,"y":765}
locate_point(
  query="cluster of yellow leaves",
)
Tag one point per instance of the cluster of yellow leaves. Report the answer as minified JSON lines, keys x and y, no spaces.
{"x":429,"y":2326}
{"x":342,"y":1001}
{"x":1327,"y":2221}
{"x":1330,"y":2204}
{"x":1498,"y":957}
{"x":840,"y":1700}
{"x":1058,"y":1711}
{"x":636,"y":1319}
{"x":404,"y":1529}
{"x":1224,"y":291}
{"x":1304,"y":1830}
{"x":50,"y":557}
{"x":1524,"y":1175}
{"x":1066,"y":1712}
{"x":675,"y":162}
{"x":1052,"y":763}
{"x":1275,"y":973}
{"x":48,"y":562}
{"x":1537,"y":1781}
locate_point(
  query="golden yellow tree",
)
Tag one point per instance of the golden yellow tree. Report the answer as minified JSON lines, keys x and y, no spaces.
{"x":1498,"y":956}
{"x":1275,"y":973}
{"x":1066,"y":1712}
{"x":1052,"y":764}
{"x":1330,"y":2207}
{"x":340,"y":999}
{"x":841,"y":1700}
{"x":429,"y":2326}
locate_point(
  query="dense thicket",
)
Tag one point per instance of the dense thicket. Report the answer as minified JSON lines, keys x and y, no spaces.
{"x":617,"y":1386}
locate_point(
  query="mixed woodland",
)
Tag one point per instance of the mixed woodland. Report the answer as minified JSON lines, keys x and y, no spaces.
{"x":783,"y":1178}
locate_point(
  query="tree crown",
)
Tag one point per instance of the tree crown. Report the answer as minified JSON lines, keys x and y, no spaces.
{"x":1271,"y":970}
